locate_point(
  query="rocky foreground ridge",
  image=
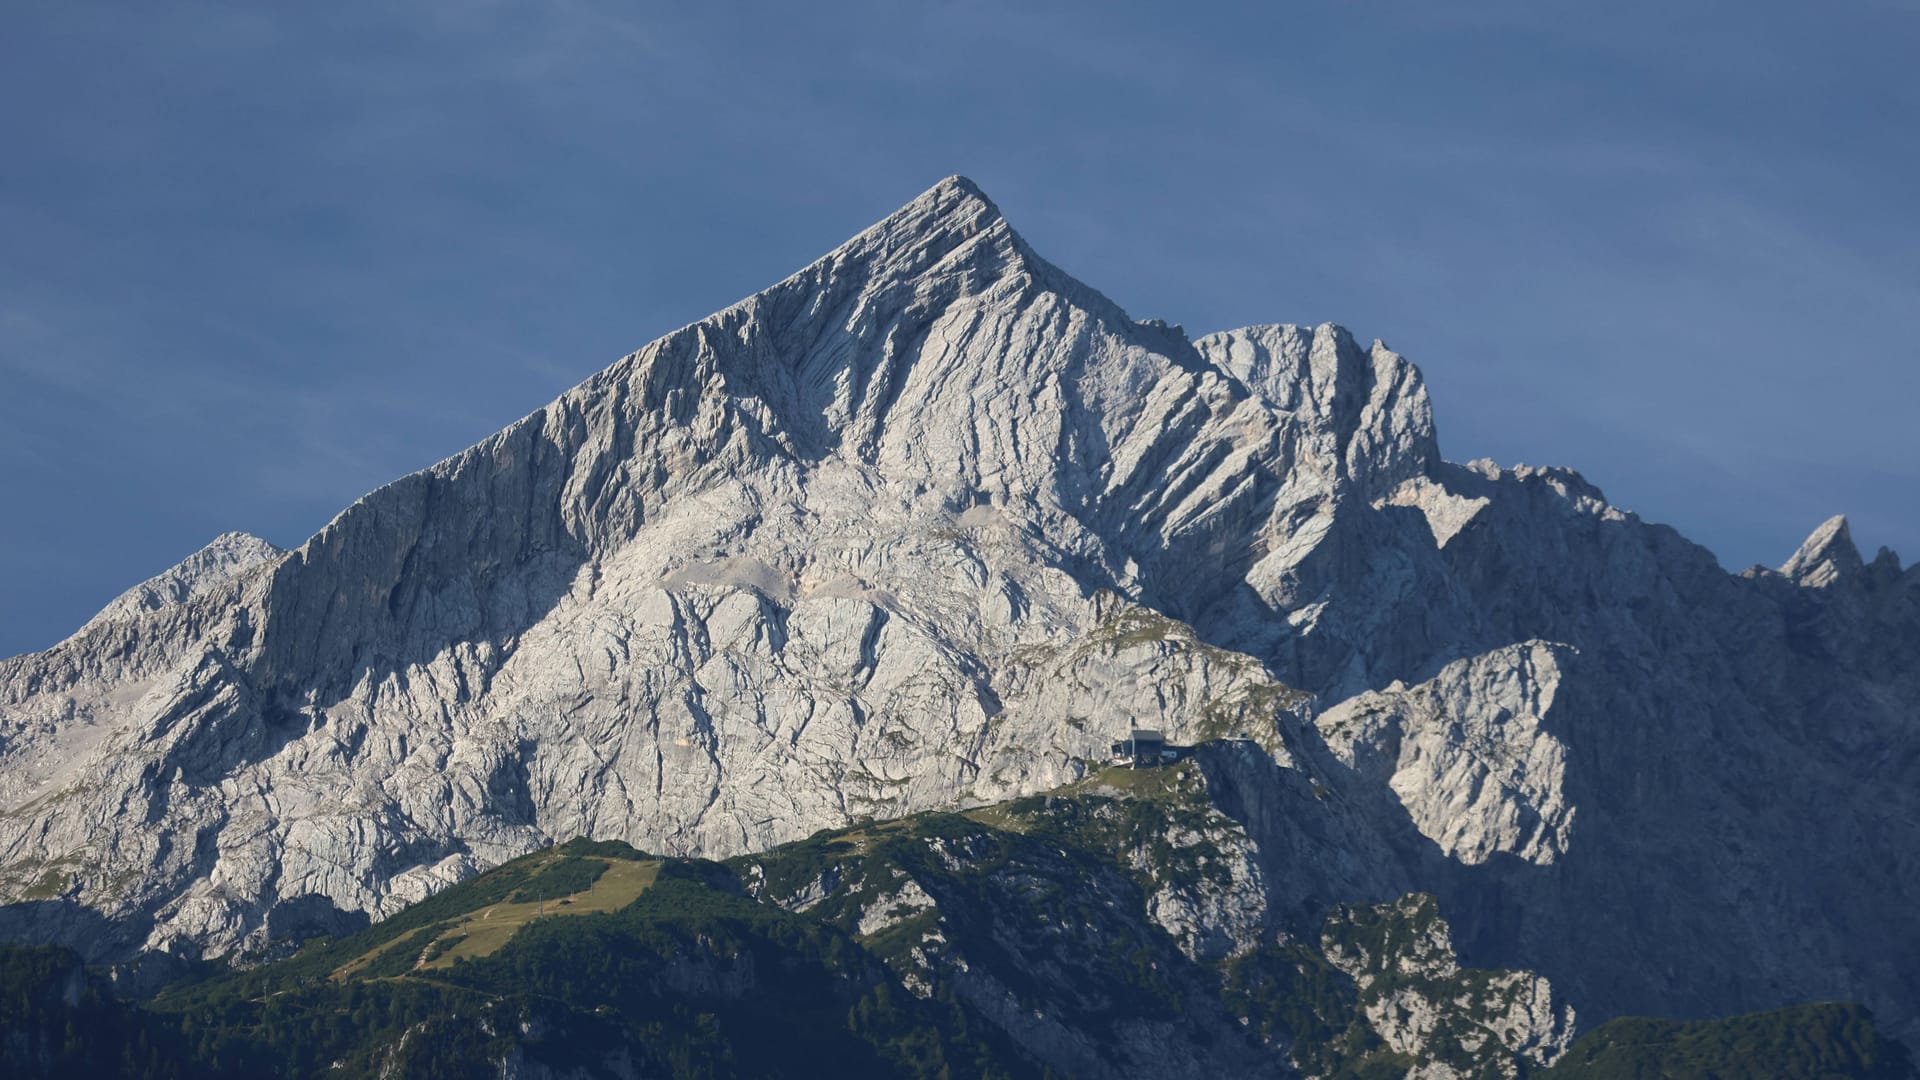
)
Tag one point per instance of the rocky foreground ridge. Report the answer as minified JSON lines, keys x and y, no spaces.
{"x":927,"y":525}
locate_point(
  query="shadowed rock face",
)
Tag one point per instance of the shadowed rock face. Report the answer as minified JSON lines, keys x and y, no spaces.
{"x":930,"y":523}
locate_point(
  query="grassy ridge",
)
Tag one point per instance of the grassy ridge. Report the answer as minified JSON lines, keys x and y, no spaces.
{"x":667,"y":967}
{"x":903,"y":948}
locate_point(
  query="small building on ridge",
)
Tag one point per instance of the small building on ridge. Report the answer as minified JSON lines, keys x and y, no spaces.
{"x":1141,"y":748}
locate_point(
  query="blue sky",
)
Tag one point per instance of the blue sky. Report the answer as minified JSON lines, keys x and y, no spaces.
{"x":259,"y":259}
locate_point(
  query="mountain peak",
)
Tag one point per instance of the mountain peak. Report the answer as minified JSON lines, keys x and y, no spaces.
{"x":955,"y":207}
{"x":224,"y":557}
{"x":1374,"y":400}
{"x":949,"y":231}
{"x":1827,"y":555}
{"x":959,"y":186}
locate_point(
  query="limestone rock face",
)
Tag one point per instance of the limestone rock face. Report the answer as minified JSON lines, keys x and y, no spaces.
{"x":1469,"y":753}
{"x":929,"y":524}
{"x":1827,"y":557}
{"x":229,"y":555}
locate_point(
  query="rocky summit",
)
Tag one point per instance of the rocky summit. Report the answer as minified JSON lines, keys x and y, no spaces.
{"x":927,"y":526}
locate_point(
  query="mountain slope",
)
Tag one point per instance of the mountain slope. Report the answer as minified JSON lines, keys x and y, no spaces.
{"x":1110,"y":928}
{"x":928,"y":524}
{"x":1062,"y":933}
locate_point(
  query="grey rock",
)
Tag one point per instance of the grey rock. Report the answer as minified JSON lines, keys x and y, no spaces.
{"x":927,"y":525}
{"x":1469,"y":753}
{"x":228,"y":556}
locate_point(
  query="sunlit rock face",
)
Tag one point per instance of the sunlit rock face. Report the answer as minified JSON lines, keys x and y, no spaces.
{"x":931,"y":523}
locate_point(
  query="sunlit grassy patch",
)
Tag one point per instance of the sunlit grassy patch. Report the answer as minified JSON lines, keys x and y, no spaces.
{"x":483,"y":930}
